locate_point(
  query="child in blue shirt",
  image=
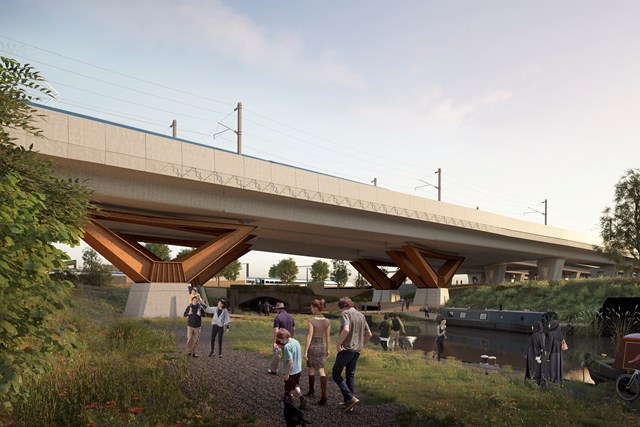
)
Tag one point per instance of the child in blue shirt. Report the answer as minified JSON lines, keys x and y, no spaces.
{"x":292,"y":365}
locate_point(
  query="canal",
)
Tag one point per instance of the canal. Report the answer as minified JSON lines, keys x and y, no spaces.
{"x":469,"y":344}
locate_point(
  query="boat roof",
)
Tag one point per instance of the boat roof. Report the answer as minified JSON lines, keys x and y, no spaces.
{"x":632,"y":337}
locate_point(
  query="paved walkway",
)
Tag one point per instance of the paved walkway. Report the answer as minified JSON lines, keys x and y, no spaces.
{"x":238,"y":385}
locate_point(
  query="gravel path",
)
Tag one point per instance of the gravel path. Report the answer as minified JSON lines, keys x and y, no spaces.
{"x":238,"y":384}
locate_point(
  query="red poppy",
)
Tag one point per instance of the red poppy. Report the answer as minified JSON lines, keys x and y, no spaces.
{"x":135,"y":410}
{"x":92,"y":424}
{"x":91,"y":405}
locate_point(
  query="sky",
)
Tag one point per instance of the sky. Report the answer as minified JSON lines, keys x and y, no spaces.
{"x":516,"y":102}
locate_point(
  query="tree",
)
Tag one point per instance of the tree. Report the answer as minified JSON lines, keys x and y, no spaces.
{"x":36,"y":210}
{"x":184,"y":251}
{"x":621,"y":225}
{"x":361,"y":282}
{"x":231,"y":271}
{"x":95,"y":273}
{"x":273,"y":271}
{"x":286,"y":270}
{"x":160,"y":250}
{"x":340,"y":273}
{"x":319,"y":271}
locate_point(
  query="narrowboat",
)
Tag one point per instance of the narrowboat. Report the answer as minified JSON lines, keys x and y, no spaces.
{"x":501,"y":320}
{"x":603,"y":368}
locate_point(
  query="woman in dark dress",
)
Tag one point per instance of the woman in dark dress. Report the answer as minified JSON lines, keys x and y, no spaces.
{"x":535,"y":353}
{"x":553,"y":351}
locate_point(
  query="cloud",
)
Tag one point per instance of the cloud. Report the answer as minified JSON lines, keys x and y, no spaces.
{"x":209,"y":26}
{"x":453,"y":114}
{"x":426,"y":108}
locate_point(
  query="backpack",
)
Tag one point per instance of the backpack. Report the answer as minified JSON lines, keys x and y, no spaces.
{"x":395,"y":324}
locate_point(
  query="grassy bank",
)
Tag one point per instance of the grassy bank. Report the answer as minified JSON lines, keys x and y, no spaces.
{"x":575,"y":299}
{"x":454,"y":393}
{"x":129,"y":372}
{"x":123,"y":372}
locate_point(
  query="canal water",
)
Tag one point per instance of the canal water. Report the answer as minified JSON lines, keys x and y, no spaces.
{"x":470,"y":344}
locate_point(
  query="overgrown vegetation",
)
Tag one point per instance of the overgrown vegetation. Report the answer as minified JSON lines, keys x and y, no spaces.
{"x":620,"y":225}
{"x":128,"y":372}
{"x":94,"y":272}
{"x":575,"y":300}
{"x":36,"y":210}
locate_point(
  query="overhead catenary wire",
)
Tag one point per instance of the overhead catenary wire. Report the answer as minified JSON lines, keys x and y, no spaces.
{"x":368,"y":163}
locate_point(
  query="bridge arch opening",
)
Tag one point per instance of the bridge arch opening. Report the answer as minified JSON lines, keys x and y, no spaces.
{"x":254,"y":304}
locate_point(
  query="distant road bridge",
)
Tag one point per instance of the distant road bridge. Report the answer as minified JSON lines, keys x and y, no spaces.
{"x":155,"y":188}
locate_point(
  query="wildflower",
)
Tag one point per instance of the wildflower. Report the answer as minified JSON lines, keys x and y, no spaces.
{"x":91,"y":405}
{"x":92,"y":424}
{"x":135,"y":398}
{"x":110,"y":403}
{"x":135,"y":410}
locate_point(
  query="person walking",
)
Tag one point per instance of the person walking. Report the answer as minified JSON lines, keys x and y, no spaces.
{"x":283,"y":320}
{"x":535,"y":353}
{"x":317,"y":349}
{"x":397,"y":328}
{"x":266,"y":307}
{"x":221,"y":320}
{"x":441,"y":335}
{"x":384,"y":332}
{"x":292,"y":365}
{"x":553,"y":351}
{"x":354,"y":335}
{"x":194,"y":313}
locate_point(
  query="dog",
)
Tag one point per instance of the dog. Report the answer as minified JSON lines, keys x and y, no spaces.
{"x":292,"y":415}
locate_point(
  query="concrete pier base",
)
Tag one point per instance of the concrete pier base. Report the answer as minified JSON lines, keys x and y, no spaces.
{"x":157,"y":300}
{"x":550,"y":268}
{"x":385,"y":295}
{"x":434,"y":297}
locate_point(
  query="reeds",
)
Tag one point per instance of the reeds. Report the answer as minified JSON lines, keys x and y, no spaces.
{"x":617,"y":323}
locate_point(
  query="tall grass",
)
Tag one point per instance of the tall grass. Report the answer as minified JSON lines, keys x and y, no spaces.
{"x":125,"y":372}
{"x":124,"y":376}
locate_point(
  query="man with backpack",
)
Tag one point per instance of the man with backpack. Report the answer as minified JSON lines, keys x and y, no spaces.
{"x":397,"y":328}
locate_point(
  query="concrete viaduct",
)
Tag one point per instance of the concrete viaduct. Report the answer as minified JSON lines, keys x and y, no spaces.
{"x":155,"y":188}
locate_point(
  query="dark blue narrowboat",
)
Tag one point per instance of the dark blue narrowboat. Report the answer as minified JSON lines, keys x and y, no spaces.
{"x":502,"y":320}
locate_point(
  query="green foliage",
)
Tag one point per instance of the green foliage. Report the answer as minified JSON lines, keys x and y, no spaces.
{"x":361,"y":282}
{"x":36,"y":210}
{"x":231,"y":271}
{"x":184,"y":251}
{"x":286,"y":270}
{"x":95,"y":273}
{"x":319,"y":271}
{"x":160,"y":250}
{"x":19,"y":84}
{"x":621,"y":224}
{"x":340,"y":273}
{"x":273,"y":271}
{"x":575,"y":300}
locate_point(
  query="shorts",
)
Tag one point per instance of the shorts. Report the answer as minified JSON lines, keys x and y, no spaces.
{"x":292,"y":382}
